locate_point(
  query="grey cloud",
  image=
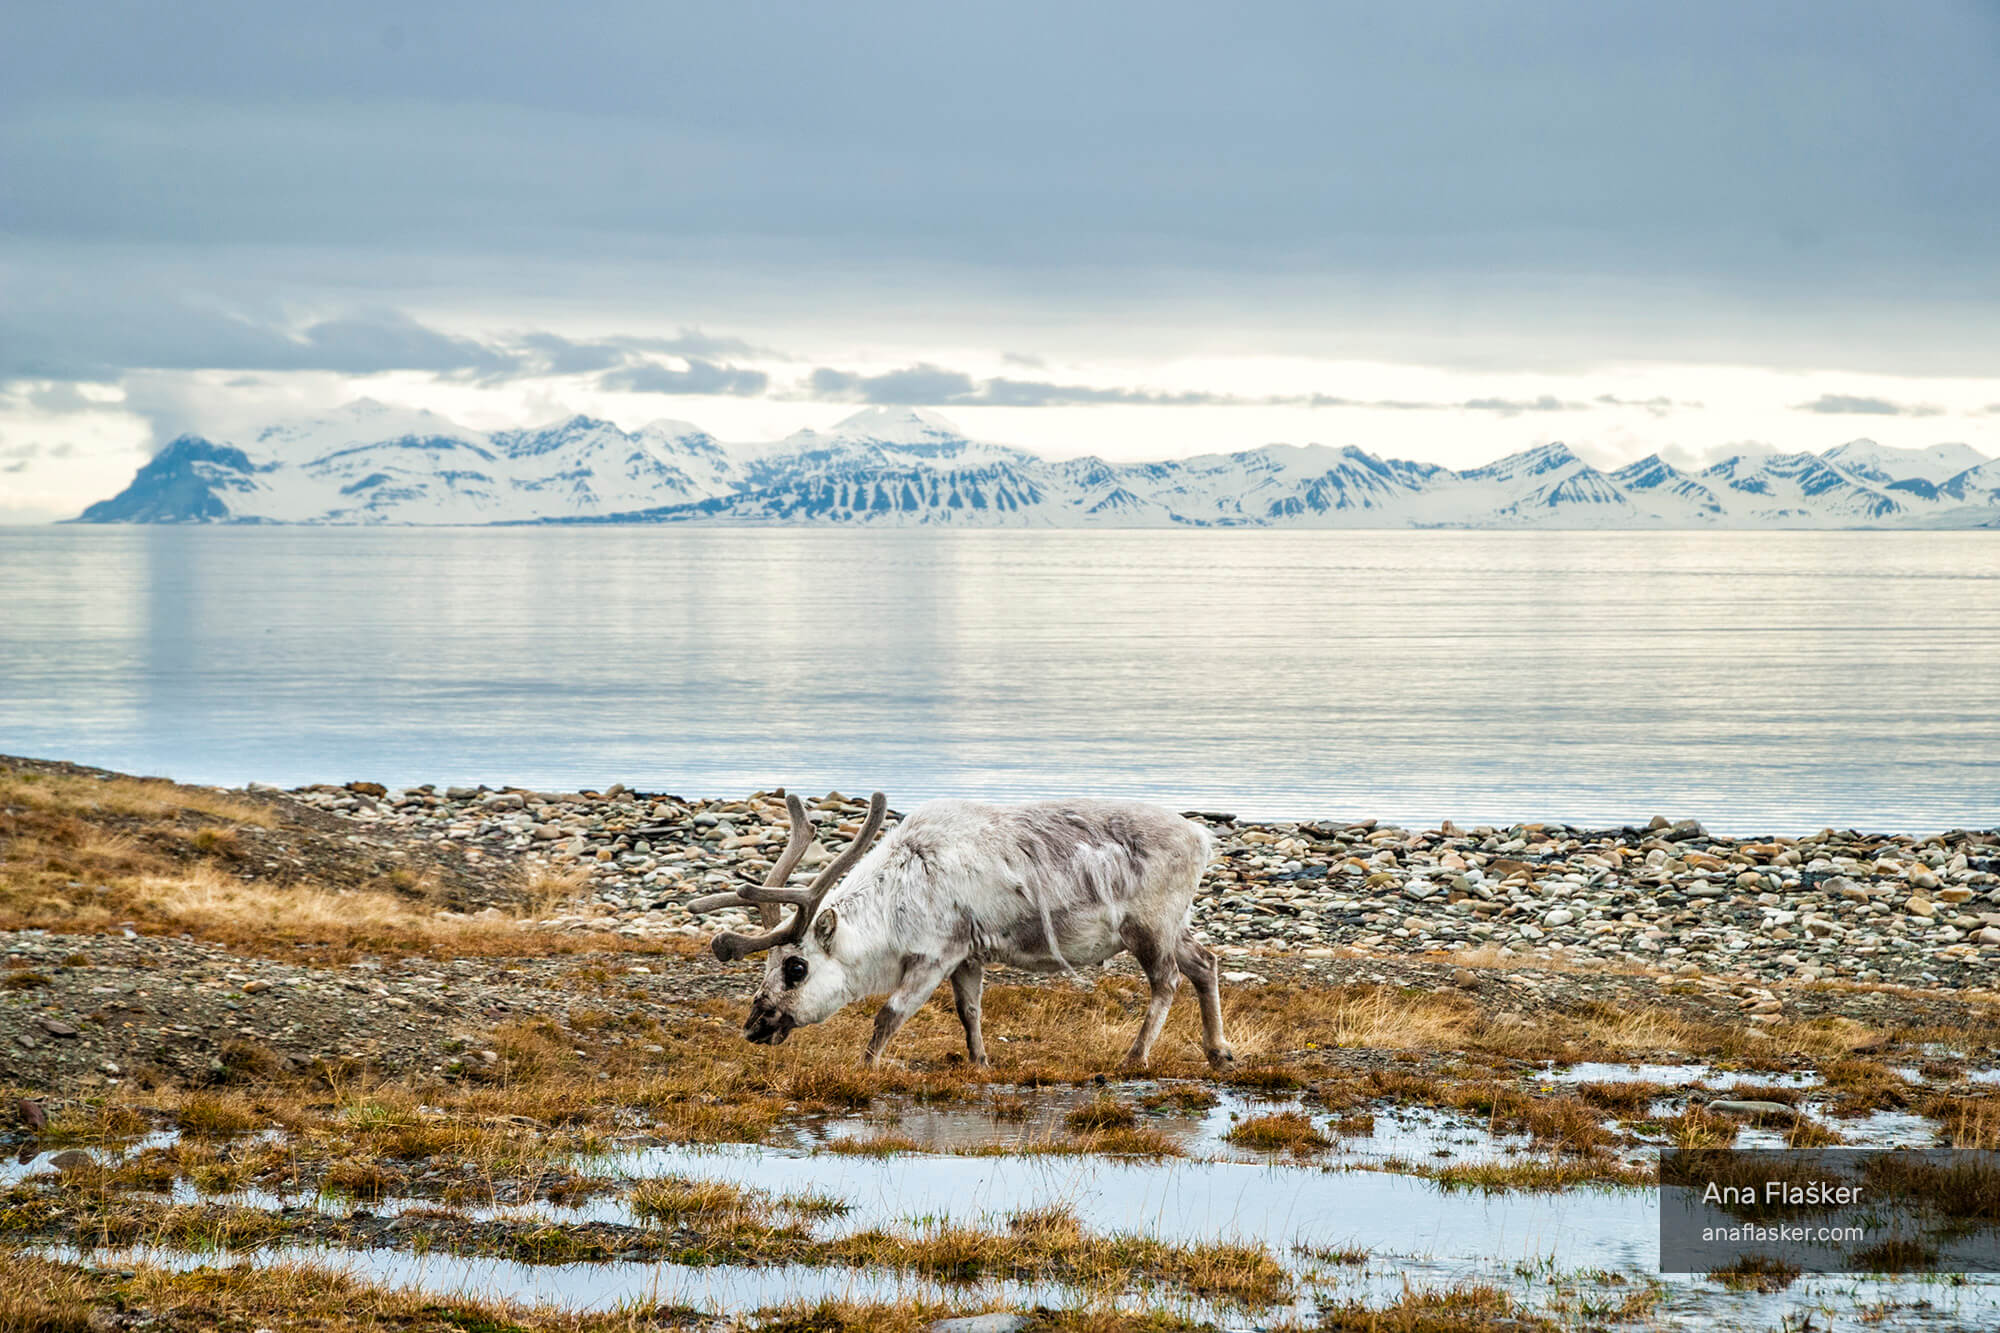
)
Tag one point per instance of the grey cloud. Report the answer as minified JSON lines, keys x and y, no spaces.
{"x":694,"y":342}
{"x":1368,"y":176}
{"x":700,"y":377}
{"x":1028,"y":393}
{"x":1388,"y":404}
{"x":1840,"y":404}
{"x":925,"y":385}
{"x":24,"y":452}
{"x":1507,"y":407}
{"x":58,"y":396}
{"x":919,"y":385}
{"x":46,"y":337}
{"x":390,"y":340}
{"x":1658,"y":406}
{"x":1514,"y":407}
{"x":555,"y":355}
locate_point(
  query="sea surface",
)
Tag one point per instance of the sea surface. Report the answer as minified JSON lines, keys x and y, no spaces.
{"x":1761,"y":682}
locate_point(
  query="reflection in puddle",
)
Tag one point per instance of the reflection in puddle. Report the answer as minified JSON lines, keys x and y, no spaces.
{"x":32,"y":1164}
{"x":600,"y":1286}
{"x":1676,"y":1076}
{"x":1277,"y":1206}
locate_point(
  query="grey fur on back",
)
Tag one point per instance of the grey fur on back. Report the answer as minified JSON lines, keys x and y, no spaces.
{"x":1008,"y":882}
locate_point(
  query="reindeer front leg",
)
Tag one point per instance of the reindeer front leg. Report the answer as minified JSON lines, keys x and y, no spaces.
{"x":966,"y":984}
{"x":921,"y":976}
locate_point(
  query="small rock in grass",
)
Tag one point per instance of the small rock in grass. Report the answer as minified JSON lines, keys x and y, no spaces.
{"x":1754,"y":1110}
{"x":998,"y":1321}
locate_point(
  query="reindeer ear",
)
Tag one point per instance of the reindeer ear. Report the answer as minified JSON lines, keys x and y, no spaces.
{"x":823,"y":927}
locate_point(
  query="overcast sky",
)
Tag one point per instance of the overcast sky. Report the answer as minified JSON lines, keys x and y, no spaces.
{"x":1441,"y":231}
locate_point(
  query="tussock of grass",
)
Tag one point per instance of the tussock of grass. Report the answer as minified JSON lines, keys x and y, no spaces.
{"x":1896,"y":1255}
{"x":1860,"y":1085}
{"x":1137,"y":1141}
{"x":675,"y":1199}
{"x":548,"y":890}
{"x":1969,"y":1121}
{"x":210,"y":1113}
{"x":1533,"y":1174}
{"x":874,"y":1145}
{"x":809,"y":1205}
{"x":1047,"y":1246}
{"x":1467,"y":1308}
{"x":1103,"y":1113}
{"x":1351,"y":1256}
{"x":1624,"y":1099}
{"x":359,"y":1178}
{"x":1555,"y":1120}
{"x":1757,"y":1272}
{"x":1266,"y":1078}
{"x":1696,"y":1127}
{"x":100,"y":1122}
{"x":1285,"y":1132}
{"x":1188,"y":1101}
{"x":1962,"y":1189}
{"x":841,"y":1316}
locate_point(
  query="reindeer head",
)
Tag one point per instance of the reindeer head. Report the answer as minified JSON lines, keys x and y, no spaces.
{"x":804,"y":981}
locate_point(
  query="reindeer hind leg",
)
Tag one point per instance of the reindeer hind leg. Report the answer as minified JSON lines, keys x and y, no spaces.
{"x":1197,"y":963}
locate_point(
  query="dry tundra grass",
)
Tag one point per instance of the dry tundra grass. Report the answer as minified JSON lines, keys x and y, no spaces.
{"x":80,"y":853}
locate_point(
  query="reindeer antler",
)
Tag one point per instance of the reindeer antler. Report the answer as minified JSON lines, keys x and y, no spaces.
{"x":730,"y":946}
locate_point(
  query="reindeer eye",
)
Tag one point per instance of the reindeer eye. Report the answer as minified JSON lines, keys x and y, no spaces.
{"x":794,"y":970}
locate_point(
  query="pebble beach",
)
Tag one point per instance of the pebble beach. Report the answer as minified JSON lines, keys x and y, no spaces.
{"x":1663,"y":895}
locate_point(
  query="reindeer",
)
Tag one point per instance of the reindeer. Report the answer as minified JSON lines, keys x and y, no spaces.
{"x":1049,"y":886}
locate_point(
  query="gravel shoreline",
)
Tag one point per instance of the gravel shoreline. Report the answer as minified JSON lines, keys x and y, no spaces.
{"x":1667,"y":896}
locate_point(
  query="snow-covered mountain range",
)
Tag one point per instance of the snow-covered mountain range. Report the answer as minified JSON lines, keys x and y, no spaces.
{"x":372,"y":464}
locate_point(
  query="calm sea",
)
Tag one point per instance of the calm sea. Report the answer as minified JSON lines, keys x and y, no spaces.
{"x":1758,"y":681}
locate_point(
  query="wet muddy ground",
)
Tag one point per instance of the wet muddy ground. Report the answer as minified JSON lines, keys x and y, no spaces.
{"x":1349,"y":1220}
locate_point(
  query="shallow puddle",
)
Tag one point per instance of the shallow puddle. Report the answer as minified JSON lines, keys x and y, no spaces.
{"x":1676,"y":1076}
{"x":27,"y":1164}
{"x":1278,"y":1206}
{"x":1415,"y":1133}
{"x":722,"y":1289}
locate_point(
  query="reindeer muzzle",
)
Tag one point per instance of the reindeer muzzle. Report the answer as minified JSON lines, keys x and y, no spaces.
{"x":767,"y":1027}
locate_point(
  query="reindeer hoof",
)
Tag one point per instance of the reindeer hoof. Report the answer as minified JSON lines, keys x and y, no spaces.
{"x":1221,"y":1058}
